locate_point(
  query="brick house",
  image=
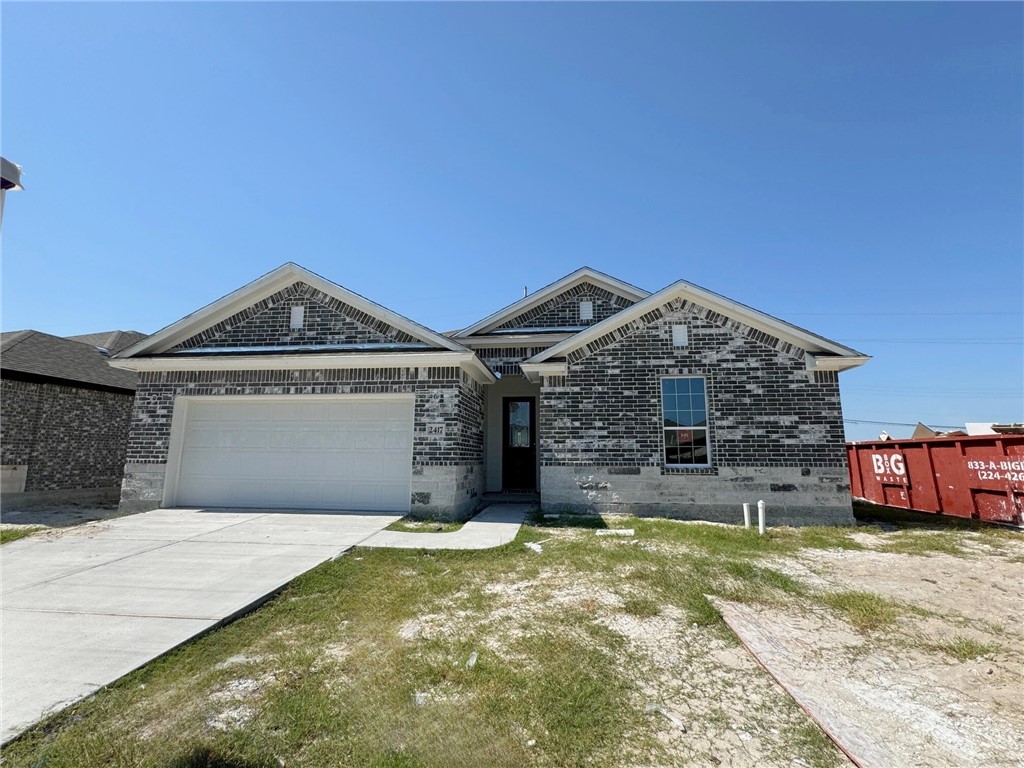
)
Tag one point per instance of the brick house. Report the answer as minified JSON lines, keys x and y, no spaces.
{"x":592,"y":393}
{"x":65,"y":417}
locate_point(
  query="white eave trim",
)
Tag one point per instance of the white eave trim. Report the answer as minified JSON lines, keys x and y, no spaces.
{"x":535,"y":371}
{"x":467,"y":360}
{"x":799,"y":337}
{"x":582,"y":275}
{"x":835,"y":362}
{"x":520,"y":340}
{"x":259,"y":289}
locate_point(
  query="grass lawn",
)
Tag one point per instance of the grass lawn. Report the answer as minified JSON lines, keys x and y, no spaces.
{"x":13,"y":534}
{"x":590,"y":652}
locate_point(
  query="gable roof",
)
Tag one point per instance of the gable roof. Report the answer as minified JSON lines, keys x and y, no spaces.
{"x":582,"y":275}
{"x":32,"y":354}
{"x":112,"y":341}
{"x":265,"y":286}
{"x":824,"y":353}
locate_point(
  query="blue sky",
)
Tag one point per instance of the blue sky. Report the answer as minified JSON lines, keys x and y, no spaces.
{"x":856,"y":169}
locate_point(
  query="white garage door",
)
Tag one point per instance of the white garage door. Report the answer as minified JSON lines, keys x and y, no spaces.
{"x":317,"y":453}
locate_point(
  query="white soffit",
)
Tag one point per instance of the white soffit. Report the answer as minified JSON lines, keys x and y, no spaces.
{"x":582,"y":275}
{"x":265,"y":286}
{"x":795,"y":335}
{"x":467,"y":360}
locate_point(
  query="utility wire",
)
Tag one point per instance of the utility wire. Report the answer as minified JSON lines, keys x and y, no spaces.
{"x":900,"y":424}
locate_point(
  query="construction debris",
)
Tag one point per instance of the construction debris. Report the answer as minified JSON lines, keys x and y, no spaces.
{"x":652,"y":707}
{"x":616,"y":532}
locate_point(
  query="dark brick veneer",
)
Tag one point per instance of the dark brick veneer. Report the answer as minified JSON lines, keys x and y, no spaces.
{"x":771,"y":420}
{"x":71,"y":438}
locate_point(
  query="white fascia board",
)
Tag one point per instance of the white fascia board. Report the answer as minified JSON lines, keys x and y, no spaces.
{"x":835,"y":362}
{"x":467,"y":360}
{"x":271,"y":283}
{"x":799,"y":337}
{"x":584,"y":274}
{"x":534,"y":371}
{"x":520,"y":340}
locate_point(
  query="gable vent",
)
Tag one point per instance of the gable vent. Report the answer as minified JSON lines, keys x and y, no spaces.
{"x":298,"y":318}
{"x":680,"y":336}
{"x":586,"y":310}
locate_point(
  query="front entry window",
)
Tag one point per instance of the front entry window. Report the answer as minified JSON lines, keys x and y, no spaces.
{"x":685,"y":412}
{"x":519,"y":424}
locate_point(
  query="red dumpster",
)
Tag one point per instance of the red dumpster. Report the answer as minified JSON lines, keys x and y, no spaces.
{"x":979,"y":477}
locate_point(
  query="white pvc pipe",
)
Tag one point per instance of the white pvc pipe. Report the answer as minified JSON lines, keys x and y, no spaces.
{"x":746,"y":515}
{"x":760,"y":517}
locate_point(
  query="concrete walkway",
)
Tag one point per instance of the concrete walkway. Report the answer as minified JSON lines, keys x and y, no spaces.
{"x":83,"y":606}
{"x":498,"y":524}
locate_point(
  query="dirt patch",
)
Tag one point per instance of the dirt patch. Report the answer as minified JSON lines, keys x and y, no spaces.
{"x":925,"y":704}
{"x":62,"y":516}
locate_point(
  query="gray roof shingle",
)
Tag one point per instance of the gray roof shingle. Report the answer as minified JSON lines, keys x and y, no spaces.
{"x":40,"y":354}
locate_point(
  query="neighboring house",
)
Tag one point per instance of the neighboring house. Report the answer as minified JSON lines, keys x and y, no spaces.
{"x":64,"y":420}
{"x":295,"y":392}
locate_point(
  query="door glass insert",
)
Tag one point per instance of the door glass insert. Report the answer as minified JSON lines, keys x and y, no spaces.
{"x":519,"y":424}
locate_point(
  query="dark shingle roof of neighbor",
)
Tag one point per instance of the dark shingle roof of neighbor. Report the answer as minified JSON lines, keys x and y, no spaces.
{"x":112,"y":341}
{"x":40,"y":354}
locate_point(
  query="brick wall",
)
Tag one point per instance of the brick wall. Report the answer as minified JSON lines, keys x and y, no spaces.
{"x":563,"y":309}
{"x":448,"y":423}
{"x":71,"y":438}
{"x":775,"y":426}
{"x":327,"y":320}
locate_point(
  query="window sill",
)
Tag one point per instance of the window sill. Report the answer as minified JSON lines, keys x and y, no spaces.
{"x":671,"y":469}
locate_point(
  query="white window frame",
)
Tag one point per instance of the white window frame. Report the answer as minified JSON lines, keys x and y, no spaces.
{"x":664,"y":429}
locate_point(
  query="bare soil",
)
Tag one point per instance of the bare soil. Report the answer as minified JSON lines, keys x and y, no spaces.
{"x":927,"y":707}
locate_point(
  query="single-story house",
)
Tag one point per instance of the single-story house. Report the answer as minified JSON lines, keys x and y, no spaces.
{"x":65,"y":417}
{"x":591,"y":393}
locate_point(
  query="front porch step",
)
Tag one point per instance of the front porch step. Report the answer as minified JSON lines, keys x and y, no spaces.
{"x":526,"y":497}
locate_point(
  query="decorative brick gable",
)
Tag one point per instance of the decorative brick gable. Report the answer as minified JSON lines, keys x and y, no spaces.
{"x":327,"y":321}
{"x":696,"y":311}
{"x":563,"y":310}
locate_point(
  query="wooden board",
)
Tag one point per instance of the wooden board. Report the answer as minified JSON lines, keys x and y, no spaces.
{"x":862,"y":748}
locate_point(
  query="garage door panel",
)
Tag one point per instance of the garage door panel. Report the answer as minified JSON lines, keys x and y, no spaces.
{"x":394,"y":495}
{"x":400,"y":411}
{"x":366,"y":438}
{"x":345,"y":452}
{"x":397,"y":441}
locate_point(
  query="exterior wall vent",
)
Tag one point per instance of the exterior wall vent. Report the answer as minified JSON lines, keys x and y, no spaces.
{"x":680,"y":336}
{"x":586,"y":310}
{"x":298,"y":318}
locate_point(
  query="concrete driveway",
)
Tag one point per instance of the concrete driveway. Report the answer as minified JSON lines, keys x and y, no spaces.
{"x":83,"y":606}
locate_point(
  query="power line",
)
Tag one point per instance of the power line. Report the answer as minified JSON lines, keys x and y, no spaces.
{"x":998,"y":342}
{"x":872,"y":313}
{"x":900,"y":424}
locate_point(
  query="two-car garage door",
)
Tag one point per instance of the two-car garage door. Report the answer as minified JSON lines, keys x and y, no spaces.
{"x":324,"y":452}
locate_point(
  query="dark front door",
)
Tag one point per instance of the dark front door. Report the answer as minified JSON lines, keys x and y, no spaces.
{"x":519,"y":444}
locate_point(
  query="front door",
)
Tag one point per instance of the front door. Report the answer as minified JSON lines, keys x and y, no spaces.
{"x":519,"y":444}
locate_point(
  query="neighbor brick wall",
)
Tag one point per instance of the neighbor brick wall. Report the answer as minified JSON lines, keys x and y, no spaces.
{"x":563,"y":309}
{"x":70,"y":437}
{"x":327,"y":320}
